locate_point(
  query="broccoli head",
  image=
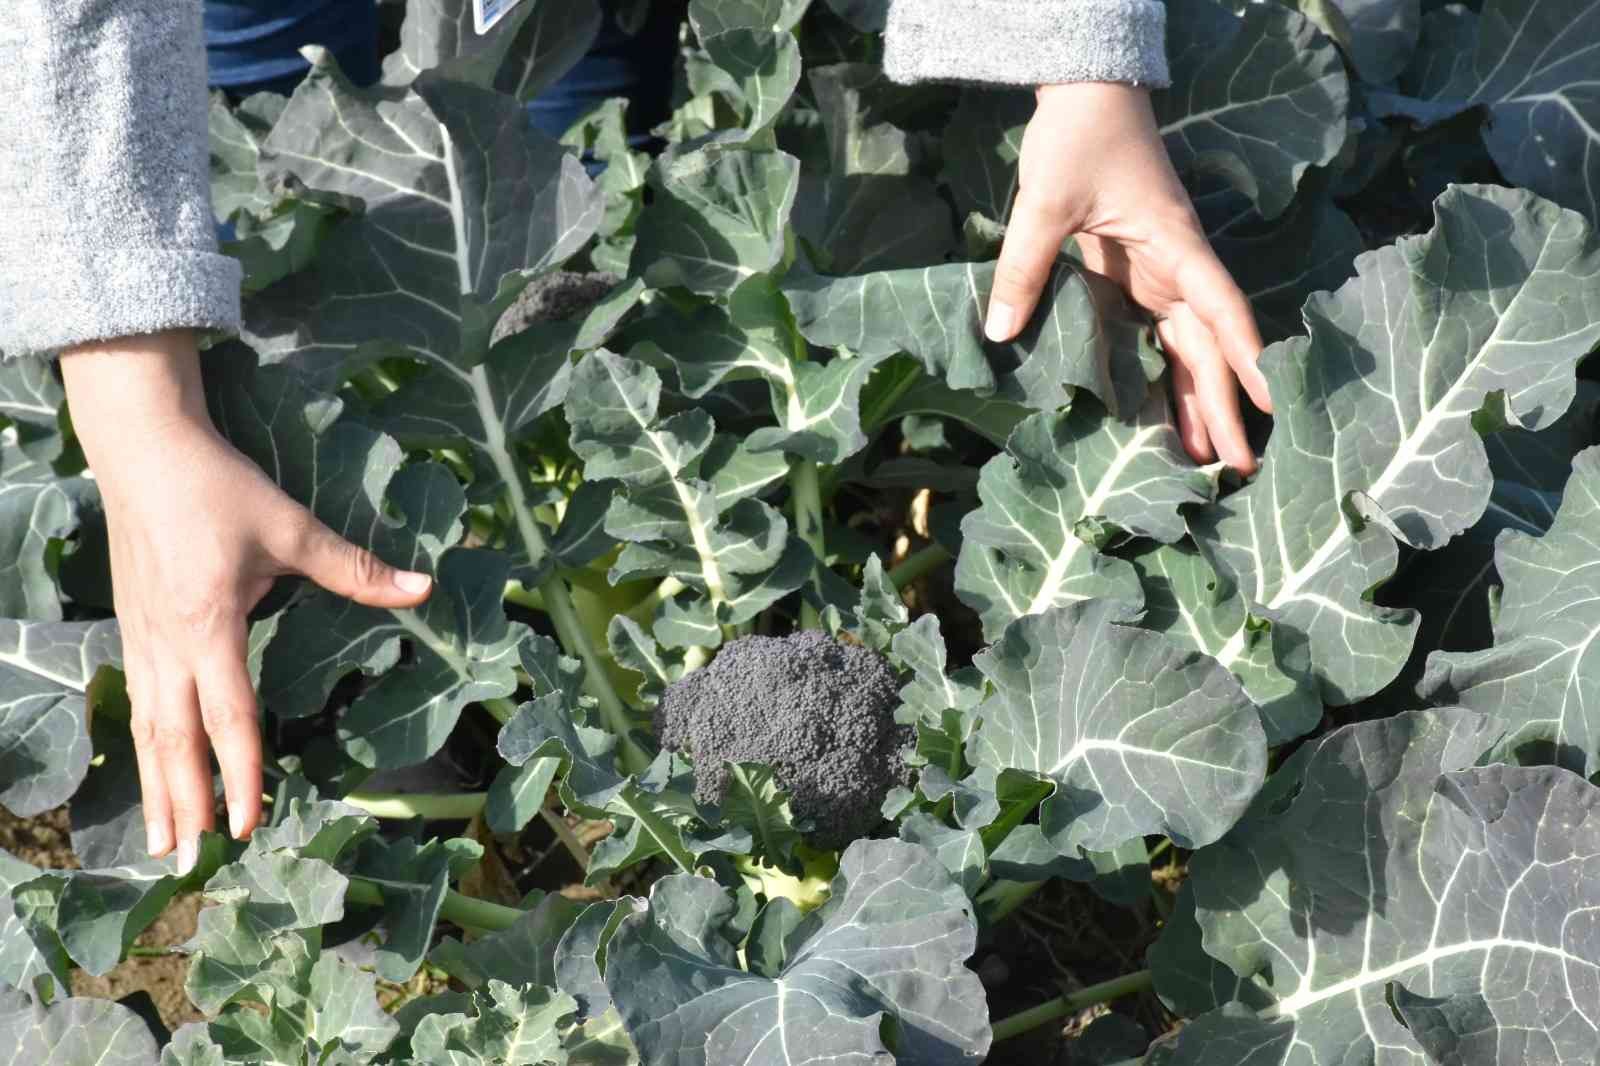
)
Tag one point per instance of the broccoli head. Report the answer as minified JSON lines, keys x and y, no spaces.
{"x":819,"y":712}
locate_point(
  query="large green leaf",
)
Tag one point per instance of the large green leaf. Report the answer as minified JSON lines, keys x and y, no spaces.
{"x":72,"y":1032}
{"x":1064,"y":487}
{"x":710,"y":17}
{"x":48,"y":673}
{"x":1254,"y":100}
{"x":1382,"y":34}
{"x":760,"y":68}
{"x":506,"y":1025}
{"x":982,"y":144}
{"x":463,"y":203}
{"x":1542,"y":677}
{"x":37,"y":510}
{"x":1387,"y":879}
{"x":1533,"y":70}
{"x":717,"y":219}
{"x":526,"y":52}
{"x":675,"y":516}
{"x":1136,"y":734}
{"x":1080,"y":337}
{"x":815,"y":402}
{"x":890,"y":943}
{"x":1375,"y":436}
{"x":265,"y":927}
{"x":352,"y":478}
{"x":1184,"y":599}
{"x":869,"y":209}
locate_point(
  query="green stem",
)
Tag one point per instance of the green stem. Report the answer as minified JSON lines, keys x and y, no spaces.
{"x":519,"y":594}
{"x":644,"y":611}
{"x":503,"y":709}
{"x":808,"y":521}
{"x":1000,"y":898}
{"x":872,"y":417}
{"x":1156,"y":851}
{"x":553,"y":591}
{"x":462,"y":910}
{"x":558,"y":825}
{"x":918,"y":564}
{"x":459,"y":806}
{"x":1104,"y":992}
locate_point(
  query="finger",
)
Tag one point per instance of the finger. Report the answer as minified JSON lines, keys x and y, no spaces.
{"x":181,"y":746}
{"x":1028,"y":254}
{"x":1216,"y":389}
{"x":1191,"y":419}
{"x":346,"y":570}
{"x":228,"y":712}
{"x":152,"y":782}
{"x":1210,"y":291}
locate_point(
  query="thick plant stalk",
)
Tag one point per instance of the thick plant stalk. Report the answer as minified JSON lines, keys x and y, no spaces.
{"x":459,"y":806}
{"x":918,"y":564}
{"x":808,"y":523}
{"x":999,"y":898}
{"x":1104,"y":992}
{"x":463,"y":910}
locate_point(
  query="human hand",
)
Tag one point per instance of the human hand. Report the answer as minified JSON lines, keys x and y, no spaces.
{"x":1093,"y":166}
{"x":197,"y":535}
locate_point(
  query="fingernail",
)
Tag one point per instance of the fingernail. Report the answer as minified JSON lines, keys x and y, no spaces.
{"x":188,"y":852}
{"x":997,"y":327}
{"x":236,"y":823}
{"x":411,"y":582}
{"x":156,"y":841}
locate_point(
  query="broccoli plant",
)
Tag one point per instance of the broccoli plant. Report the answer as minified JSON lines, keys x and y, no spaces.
{"x":819,"y":712}
{"x":829,"y":646}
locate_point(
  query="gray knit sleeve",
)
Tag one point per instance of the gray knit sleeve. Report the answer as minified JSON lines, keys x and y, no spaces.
{"x":1027,"y":42}
{"x":105,"y":202}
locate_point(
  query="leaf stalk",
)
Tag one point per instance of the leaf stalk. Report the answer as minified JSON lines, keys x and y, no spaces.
{"x":1061,"y":1006}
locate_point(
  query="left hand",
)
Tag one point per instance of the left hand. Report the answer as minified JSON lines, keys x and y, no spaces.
{"x":1093,"y":167}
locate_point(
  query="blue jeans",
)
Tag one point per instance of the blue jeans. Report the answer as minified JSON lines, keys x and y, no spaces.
{"x":253,"y":45}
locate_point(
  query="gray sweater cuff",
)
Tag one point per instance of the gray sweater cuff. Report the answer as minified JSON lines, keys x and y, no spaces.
{"x":105,"y":200}
{"x":100,"y":293}
{"x":1027,"y":42}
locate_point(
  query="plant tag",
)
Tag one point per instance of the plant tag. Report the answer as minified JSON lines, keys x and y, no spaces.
{"x":485,"y":13}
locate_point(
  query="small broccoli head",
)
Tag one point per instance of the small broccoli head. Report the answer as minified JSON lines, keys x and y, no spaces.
{"x":818,"y":711}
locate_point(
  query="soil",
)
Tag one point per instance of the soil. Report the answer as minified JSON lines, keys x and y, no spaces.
{"x":45,"y":842}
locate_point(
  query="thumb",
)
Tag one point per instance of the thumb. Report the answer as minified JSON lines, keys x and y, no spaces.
{"x":1027,"y":256}
{"x":347,"y":570}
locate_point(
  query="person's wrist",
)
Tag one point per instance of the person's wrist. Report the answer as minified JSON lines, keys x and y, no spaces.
{"x":128,"y":390}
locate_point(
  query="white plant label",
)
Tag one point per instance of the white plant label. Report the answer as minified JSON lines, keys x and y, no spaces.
{"x":485,"y":13}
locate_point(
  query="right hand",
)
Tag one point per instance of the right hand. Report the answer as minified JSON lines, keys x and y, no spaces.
{"x":198,"y":534}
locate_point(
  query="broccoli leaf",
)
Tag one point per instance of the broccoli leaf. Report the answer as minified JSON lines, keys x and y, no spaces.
{"x":718,"y":218}
{"x":733,"y":550}
{"x":1529,"y":63}
{"x":73,"y":1032}
{"x":1065,"y":485}
{"x":1184,"y":599}
{"x":430,"y":170}
{"x":1542,"y":677}
{"x":526,"y":52}
{"x":48,"y":676}
{"x":1501,"y":297}
{"x":892,"y":940}
{"x":1255,"y":99}
{"x":1392,"y":869}
{"x":1136,"y":734}
{"x":37,"y":509}
{"x":1079,"y":337}
{"x":870,"y":190}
